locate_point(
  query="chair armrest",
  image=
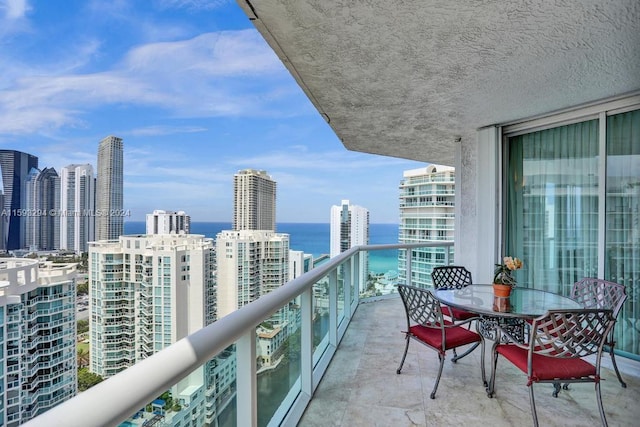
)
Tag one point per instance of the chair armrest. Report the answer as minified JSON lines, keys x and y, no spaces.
{"x":460,"y":322}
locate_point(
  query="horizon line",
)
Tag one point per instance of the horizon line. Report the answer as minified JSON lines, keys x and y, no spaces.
{"x":283,"y":222}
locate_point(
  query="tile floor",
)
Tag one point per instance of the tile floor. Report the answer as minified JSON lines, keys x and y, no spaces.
{"x":361,"y":387}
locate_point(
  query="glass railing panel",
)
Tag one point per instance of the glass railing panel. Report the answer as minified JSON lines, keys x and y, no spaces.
{"x":381,"y":273}
{"x":221,"y":397}
{"x":211,"y":394}
{"x":278,"y":353}
{"x":320,"y":305}
{"x":353,"y":282}
{"x":342,"y":270}
{"x":204,"y":396}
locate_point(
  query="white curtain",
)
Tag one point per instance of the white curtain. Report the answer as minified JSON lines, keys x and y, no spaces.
{"x":551,"y":209}
{"x":622,"y":254}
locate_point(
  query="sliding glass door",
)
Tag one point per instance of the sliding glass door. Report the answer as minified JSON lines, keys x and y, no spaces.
{"x":622,"y":254}
{"x":552,"y":205}
{"x":568,"y":214}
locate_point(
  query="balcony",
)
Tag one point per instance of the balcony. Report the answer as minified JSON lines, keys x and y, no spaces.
{"x":361,"y":386}
{"x":342,"y":371}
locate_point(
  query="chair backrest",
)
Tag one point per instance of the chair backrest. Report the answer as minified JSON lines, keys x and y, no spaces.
{"x":599,"y":293}
{"x":420,"y":306}
{"x":570,"y":333}
{"x":450,"y":277}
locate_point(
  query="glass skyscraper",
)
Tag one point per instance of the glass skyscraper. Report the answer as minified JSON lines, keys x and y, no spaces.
{"x":42,"y":201}
{"x":14,"y":170}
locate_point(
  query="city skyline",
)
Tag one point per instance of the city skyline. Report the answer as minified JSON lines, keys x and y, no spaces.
{"x":196,"y":95}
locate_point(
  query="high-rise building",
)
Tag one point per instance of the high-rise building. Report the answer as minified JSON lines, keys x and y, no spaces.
{"x":427,"y":214}
{"x":38,"y":343}
{"x":253,"y":260}
{"x":350,"y":227}
{"x":168,"y":222}
{"x":254,"y":201}
{"x":146,"y":293}
{"x":299,"y":263}
{"x":250,"y":263}
{"x":4,"y":220}
{"x":42,"y":203}
{"x":14,"y":168}
{"x":77,"y":205}
{"x":109,"y":190}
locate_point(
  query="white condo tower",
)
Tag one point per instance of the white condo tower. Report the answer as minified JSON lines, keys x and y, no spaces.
{"x":77,"y":202}
{"x":427,"y":214}
{"x":38,"y":318}
{"x":350,"y":227}
{"x":168,"y":222}
{"x":254,"y":201}
{"x":146,"y":293}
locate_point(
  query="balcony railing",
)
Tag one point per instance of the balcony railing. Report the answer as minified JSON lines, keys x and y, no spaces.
{"x":333,"y":288}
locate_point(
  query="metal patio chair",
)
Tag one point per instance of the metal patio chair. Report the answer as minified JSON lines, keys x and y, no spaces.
{"x":426,"y":324}
{"x":453,"y":277}
{"x":558,"y":342}
{"x":599,"y":293}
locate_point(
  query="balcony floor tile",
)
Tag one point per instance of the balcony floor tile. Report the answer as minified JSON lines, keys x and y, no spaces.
{"x":361,"y":387}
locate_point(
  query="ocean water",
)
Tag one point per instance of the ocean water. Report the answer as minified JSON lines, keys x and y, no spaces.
{"x":311,"y":238}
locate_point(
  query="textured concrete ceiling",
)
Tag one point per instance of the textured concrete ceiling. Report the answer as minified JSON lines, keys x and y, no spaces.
{"x":409,"y":78}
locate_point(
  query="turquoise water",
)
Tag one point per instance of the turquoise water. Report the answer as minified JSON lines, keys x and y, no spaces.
{"x":311,"y":238}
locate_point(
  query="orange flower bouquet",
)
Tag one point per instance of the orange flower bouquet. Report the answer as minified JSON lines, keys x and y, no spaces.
{"x":503,"y":273}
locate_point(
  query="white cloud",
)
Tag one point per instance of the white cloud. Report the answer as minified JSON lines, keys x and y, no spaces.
{"x":297,"y":157}
{"x":15,"y":9}
{"x":13,"y":18}
{"x":192,"y":4}
{"x":165,"y":130}
{"x":60,"y":154}
{"x":230,"y":73}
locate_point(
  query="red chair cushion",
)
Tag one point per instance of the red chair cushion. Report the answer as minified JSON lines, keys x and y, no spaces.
{"x":545,"y":368}
{"x":455,"y":337}
{"x":457,"y":313}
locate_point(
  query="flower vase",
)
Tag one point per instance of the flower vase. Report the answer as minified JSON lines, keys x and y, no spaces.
{"x":501,"y":304}
{"x":501,"y":290}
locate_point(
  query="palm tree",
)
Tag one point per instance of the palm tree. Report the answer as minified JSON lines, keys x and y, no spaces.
{"x":83,"y":358}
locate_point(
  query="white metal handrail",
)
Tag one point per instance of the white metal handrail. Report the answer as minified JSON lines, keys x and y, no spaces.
{"x":117,"y":398}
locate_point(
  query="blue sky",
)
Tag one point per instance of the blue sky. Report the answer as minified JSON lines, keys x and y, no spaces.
{"x":195,"y":93}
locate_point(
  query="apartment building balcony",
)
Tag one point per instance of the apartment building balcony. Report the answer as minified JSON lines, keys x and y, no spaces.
{"x":361,"y":387}
{"x":344,"y":373}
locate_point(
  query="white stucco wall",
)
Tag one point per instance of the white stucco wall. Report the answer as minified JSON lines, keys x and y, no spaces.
{"x":477,"y":229}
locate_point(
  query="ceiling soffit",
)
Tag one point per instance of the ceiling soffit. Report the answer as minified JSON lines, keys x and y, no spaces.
{"x":408,"y":79}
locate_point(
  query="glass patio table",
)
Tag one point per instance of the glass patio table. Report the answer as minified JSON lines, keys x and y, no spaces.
{"x":511,"y":312}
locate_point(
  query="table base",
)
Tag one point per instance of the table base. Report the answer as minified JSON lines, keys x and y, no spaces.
{"x":514,"y":326}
